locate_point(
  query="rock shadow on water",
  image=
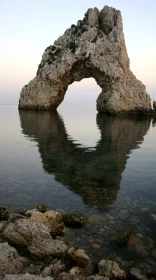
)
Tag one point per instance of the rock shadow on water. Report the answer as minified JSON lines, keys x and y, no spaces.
{"x":95,"y":175}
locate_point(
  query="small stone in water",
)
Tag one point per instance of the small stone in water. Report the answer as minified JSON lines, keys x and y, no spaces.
{"x":123,"y":214}
{"x":95,"y":246}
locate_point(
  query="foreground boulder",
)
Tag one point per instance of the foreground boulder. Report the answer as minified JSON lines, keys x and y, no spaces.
{"x":9,"y":259}
{"x":51,"y":219}
{"x":94,"y":47}
{"x":79,"y":257}
{"x":35,"y":236}
{"x":111,"y":270}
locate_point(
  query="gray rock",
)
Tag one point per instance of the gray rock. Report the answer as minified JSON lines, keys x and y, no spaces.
{"x":26,"y":276}
{"x":110,"y":269}
{"x":9,"y":259}
{"x":96,"y":48}
{"x":137,"y":274}
{"x":36,"y":236}
{"x":76,"y":272}
{"x":47,"y":271}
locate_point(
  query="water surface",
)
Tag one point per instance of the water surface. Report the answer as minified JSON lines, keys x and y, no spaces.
{"x":100,"y":166}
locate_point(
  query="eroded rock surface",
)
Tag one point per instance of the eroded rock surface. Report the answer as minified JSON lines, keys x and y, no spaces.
{"x":95,"y":47}
{"x":35,"y":236}
{"x":9,"y":259}
{"x":111,"y":270}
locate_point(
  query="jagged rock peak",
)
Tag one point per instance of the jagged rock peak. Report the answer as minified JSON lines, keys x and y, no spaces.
{"x":95,"y":47}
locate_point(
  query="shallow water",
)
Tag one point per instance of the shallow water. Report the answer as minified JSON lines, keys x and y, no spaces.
{"x":103,"y":167}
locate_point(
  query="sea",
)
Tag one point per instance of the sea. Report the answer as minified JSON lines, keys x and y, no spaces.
{"x":76,"y":160}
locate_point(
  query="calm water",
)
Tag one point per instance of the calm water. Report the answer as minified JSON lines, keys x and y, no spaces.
{"x":98,"y":166}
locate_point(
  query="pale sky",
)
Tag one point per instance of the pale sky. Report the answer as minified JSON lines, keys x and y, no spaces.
{"x":29,"y":26}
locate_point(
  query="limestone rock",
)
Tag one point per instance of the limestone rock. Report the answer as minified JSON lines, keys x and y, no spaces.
{"x":47,"y":271}
{"x":23,"y":231}
{"x":111,"y":270}
{"x":73,"y":220}
{"x":4,"y":213}
{"x":26,"y":276}
{"x":95,"y":47}
{"x":137,"y":275}
{"x":9,"y":259}
{"x":80,"y":258}
{"x":154,"y":105}
{"x":76,"y":272}
{"x":35,"y":236}
{"x":51,"y":219}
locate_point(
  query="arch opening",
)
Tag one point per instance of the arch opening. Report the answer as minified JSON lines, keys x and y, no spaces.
{"x":79,"y":112}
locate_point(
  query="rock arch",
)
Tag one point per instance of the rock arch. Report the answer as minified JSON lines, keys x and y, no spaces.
{"x":95,"y":47}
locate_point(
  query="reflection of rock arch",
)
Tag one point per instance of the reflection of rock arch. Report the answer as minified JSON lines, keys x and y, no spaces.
{"x":95,"y":175}
{"x":95,"y":47}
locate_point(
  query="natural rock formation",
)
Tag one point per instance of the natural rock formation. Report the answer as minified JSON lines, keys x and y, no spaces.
{"x":9,"y":259}
{"x":51,"y":219}
{"x":111,"y":270}
{"x":35,"y":236}
{"x":95,"y":47}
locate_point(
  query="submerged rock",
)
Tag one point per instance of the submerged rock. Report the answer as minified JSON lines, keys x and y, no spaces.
{"x":73,"y":220}
{"x":126,"y":239}
{"x":123,"y":214}
{"x":9,"y":259}
{"x":136,"y":274}
{"x":95,"y":47}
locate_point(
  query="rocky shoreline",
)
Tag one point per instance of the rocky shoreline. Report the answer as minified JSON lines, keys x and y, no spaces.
{"x":32,"y":247}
